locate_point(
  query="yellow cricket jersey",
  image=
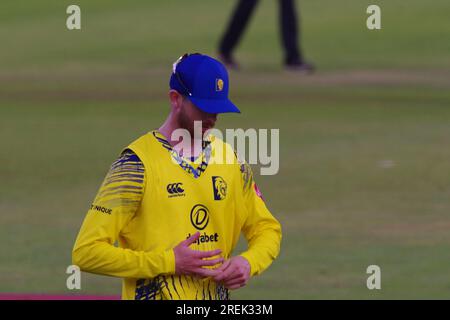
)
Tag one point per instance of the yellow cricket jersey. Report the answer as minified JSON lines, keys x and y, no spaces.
{"x":152,"y":199}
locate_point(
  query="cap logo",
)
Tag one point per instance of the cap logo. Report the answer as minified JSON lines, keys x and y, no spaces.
{"x":219,"y":84}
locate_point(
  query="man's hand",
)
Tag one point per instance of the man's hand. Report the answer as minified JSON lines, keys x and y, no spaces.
{"x":234,"y":273}
{"x":191,"y":262}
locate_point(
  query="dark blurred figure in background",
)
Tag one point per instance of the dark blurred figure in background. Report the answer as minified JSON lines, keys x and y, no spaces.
{"x":289,"y":31}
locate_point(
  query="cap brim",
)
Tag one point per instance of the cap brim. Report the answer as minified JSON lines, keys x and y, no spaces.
{"x":215,"y":106}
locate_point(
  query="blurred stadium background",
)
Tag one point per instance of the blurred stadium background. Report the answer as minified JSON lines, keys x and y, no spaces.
{"x":365,"y":142}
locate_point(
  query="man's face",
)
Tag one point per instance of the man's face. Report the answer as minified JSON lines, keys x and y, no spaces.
{"x":190,"y":113}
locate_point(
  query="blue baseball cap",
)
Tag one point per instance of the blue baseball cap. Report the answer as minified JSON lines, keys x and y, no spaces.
{"x":204,"y":81}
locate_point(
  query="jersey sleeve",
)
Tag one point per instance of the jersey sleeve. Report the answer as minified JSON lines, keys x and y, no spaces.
{"x":116,"y":203}
{"x":260,"y":228}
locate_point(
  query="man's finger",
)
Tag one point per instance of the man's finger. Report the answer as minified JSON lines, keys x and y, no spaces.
{"x":237,"y":282}
{"x":233,"y":277}
{"x":206,"y":272}
{"x":225,"y":274}
{"x":208,"y":263}
{"x":235,"y":286}
{"x":224,"y":266}
{"x":192,"y":239}
{"x":207,"y":254}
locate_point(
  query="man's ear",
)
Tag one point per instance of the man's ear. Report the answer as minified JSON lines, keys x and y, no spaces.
{"x":176,"y":99}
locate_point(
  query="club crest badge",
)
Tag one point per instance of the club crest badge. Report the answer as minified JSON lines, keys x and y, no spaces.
{"x":219,"y":188}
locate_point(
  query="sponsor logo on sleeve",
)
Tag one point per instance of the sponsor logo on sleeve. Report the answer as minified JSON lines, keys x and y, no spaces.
{"x":101,"y":209}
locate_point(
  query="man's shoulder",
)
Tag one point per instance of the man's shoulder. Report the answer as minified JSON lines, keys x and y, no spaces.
{"x":143,"y":138}
{"x":218,"y":142}
{"x":143,"y":145}
{"x":129,"y":155}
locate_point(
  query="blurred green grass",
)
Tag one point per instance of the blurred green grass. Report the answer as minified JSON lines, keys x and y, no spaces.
{"x":70,"y":100}
{"x":413,"y":34}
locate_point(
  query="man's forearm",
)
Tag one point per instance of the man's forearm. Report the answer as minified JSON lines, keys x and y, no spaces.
{"x":262,"y":250}
{"x":104,"y":258}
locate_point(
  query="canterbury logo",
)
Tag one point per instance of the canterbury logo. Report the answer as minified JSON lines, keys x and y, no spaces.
{"x":175,"y":189}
